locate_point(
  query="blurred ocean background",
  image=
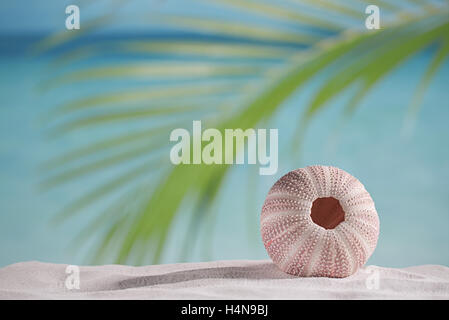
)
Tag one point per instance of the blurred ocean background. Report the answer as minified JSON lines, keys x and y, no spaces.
{"x":404,"y":166}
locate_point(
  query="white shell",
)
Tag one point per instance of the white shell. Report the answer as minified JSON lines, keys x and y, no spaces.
{"x":299,"y":246}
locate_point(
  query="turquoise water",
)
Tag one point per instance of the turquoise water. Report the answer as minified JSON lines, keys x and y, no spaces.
{"x":407,"y":173}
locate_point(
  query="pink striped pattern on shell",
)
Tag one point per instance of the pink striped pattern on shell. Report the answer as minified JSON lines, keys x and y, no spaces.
{"x":300,"y":247}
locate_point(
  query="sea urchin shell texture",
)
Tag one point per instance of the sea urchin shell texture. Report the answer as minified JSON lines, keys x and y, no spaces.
{"x":319,"y":221}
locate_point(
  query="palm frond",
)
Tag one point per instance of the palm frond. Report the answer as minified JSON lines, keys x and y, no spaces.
{"x":275,"y":11}
{"x":440,"y":56}
{"x":367,"y":68}
{"x":215,"y":69}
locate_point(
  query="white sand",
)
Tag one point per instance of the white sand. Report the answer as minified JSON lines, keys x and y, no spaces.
{"x":218,"y":280}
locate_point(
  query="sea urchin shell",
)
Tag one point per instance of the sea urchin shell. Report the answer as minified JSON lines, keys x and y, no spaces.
{"x":319,"y":221}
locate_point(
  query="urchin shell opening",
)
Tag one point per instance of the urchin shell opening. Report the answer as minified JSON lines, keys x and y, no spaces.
{"x":327,"y":212}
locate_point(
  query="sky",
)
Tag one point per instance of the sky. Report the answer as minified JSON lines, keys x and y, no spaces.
{"x":371,"y":148}
{"x":23,"y":16}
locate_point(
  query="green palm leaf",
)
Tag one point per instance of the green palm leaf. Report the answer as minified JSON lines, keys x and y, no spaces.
{"x":247,"y":76}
